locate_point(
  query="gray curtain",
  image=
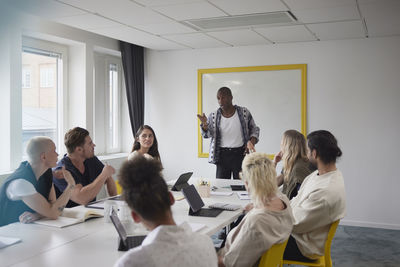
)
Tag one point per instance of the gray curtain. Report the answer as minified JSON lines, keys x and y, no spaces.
{"x":133,"y":65}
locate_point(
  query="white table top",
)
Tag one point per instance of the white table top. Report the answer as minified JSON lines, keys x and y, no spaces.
{"x":94,"y":243}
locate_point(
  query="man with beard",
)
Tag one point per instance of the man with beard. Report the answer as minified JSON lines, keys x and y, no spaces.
{"x":319,"y":202}
{"x":89,"y":172}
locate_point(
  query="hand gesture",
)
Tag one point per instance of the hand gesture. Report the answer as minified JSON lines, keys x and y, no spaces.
{"x":58,"y":174}
{"x":278,"y":157}
{"x":250,"y":147}
{"x":202,"y":118}
{"x":28,"y":217}
{"x":108,"y":170}
{"x":68,"y":176}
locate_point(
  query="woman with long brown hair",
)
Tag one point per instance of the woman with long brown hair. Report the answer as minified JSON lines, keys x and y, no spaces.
{"x":145,"y":143}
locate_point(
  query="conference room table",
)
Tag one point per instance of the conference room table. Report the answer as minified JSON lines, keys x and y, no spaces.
{"x":95,"y":242}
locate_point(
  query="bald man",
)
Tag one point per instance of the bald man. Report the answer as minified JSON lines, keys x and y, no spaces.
{"x":28,"y":194}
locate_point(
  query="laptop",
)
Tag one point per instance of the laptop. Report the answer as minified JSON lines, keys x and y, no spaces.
{"x":125,"y":242}
{"x":196,"y":203}
{"x":238,"y":188}
{"x":182,"y":181}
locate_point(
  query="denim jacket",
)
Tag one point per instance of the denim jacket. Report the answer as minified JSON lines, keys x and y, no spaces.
{"x":249,"y":129}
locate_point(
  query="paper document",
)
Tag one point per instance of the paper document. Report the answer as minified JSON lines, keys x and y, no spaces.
{"x":8,"y":241}
{"x":243,"y":195}
{"x":71,"y":216}
{"x":221,"y":193}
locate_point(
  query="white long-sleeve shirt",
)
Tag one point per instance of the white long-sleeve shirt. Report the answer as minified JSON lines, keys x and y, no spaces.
{"x":172,"y":245}
{"x":319,"y":202}
{"x":257,"y":232}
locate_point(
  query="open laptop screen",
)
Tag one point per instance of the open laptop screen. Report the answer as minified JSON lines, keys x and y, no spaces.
{"x":118,"y":225}
{"x":193,"y":198}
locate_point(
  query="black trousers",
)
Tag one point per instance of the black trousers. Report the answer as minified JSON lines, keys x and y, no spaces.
{"x":293,"y":253}
{"x":230,"y":162}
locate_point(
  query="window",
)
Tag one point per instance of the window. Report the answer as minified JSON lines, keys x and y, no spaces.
{"x":26,"y":77}
{"x":40,"y":104}
{"x":47,"y":75}
{"x":107,"y":103}
{"x":113,"y":102}
{"x":113,"y":107}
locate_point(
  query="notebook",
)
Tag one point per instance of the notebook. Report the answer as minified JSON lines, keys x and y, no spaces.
{"x":182,"y":181}
{"x":71,"y":216}
{"x":224,"y":206}
{"x":196,"y":203}
{"x":125,"y":242}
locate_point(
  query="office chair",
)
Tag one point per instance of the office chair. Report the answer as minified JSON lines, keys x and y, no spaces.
{"x":273,"y":256}
{"x":119,"y":188}
{"x":323,"y":261}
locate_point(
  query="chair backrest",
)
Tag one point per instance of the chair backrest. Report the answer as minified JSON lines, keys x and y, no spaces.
{"x":119,"y":188}
{"x":331,"y":234}
{"x":273,"y":257}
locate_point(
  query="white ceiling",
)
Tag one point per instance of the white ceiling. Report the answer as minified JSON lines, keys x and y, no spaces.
{"x":160,"y":24}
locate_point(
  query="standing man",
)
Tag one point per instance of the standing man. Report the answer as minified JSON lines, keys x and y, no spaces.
{"x":28,"y":194}
{"x":233,"y":133}
{"x":319,"y":202}
{"x":88,"y":171}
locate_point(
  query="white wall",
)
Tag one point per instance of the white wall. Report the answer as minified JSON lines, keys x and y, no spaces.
{"x":79,"y":104}
{"x":353,"y":91}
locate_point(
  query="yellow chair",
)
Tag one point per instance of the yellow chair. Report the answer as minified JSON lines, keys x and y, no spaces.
{"x":273,"y":256}
{"x":119,"y":188}
{"x":323,"y":261}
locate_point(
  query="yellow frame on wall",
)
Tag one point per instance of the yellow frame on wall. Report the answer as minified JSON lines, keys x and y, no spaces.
{"x":301,"y":67}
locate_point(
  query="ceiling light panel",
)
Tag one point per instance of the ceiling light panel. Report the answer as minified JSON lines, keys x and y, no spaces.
{"x":242,"y":21}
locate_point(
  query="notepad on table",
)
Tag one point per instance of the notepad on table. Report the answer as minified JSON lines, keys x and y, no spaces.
{"x":71,"y":216}
{"x":221,"y":193}
{"x":243,"y":195}
{"x":224,"y":206}
{"x":6,"y":241}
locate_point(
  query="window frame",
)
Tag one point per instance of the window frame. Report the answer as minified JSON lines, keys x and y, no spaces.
{"x":116,"y":61}
{"x":36,"y":45}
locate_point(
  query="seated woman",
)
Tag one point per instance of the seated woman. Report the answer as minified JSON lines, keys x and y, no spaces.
{"x":269,"y":222}
{"x":28,"y":194}
{"x":295,"y":162}
{"x":145,"y":144}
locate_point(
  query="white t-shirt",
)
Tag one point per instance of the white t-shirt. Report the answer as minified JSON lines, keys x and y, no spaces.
{"x":231,"y":131}
{"x":20,"y":188}
{"x":172,"y":245}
